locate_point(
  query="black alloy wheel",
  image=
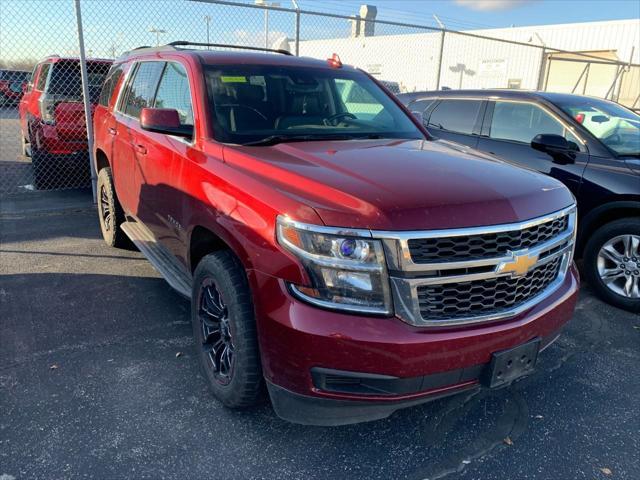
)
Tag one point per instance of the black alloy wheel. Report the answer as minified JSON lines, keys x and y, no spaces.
{"x":217,"y":336}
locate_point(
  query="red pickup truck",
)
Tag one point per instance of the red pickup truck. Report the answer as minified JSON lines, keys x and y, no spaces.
{"x":339,"y":256}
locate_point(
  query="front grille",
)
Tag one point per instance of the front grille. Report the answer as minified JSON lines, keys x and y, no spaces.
{"x":486,"y":245}
{"x":452,"y":301}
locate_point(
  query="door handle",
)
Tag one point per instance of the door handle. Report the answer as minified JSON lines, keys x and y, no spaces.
{"x":112,"y":131}
{"x":141,"y":149}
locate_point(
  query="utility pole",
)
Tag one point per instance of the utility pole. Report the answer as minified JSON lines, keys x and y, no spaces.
{"x":297,"y":29}
{"x":85,"y":99}
{"x":264,"y":4}
{"x":463,"y":70}
{"x":158,"y":32}
{"x":207,"y":19}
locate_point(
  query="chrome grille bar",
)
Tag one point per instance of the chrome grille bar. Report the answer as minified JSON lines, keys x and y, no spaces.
{"x":408,"y":277}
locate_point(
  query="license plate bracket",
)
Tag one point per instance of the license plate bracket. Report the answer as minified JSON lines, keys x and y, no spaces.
{"x":511,"y":364}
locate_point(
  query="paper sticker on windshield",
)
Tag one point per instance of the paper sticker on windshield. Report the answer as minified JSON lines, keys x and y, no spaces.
{"x":227,"y":79}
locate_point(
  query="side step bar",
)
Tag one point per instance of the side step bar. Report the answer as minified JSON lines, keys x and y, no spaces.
{"x":163,"y":261}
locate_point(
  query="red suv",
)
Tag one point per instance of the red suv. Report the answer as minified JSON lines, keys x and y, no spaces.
{"x":331,"y":250}
{"x":12,"y":86}
{"x":52,"y":120}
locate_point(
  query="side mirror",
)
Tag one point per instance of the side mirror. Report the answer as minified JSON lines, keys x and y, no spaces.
{"x":418,"y":116}
{"x":164,"y":120}
{"x":549,"y":143}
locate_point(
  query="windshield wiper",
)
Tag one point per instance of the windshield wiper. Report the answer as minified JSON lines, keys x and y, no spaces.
{"x":275,"y":139}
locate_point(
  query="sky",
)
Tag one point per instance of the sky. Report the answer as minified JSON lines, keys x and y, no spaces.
{"x":31,"y":29}
{"x":471,"y":14}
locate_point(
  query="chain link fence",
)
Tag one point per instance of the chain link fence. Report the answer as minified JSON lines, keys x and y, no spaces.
{"x":43,"y":134}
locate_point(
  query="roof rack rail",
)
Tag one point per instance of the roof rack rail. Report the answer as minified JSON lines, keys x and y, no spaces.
{"x":183,"y":43}
{"x":126,"y":53}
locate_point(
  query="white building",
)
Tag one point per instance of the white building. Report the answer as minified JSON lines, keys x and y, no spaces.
{"x":470,"y":62}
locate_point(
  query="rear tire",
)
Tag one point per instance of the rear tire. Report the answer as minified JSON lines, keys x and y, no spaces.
{"x":44,"y":175}
{"x":45,"y":166}
{"x":597,"y":261}
{"x":223,"y":320}
{"x":110,"y":211}
{"x":26,"y":147}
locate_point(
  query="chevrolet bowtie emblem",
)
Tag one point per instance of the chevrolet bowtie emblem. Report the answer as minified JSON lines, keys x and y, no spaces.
{"x":520,"y":265}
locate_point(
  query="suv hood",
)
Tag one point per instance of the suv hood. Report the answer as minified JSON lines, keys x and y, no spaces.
{"x":401,"y":184}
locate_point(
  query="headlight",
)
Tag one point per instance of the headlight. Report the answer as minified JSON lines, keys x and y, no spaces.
{"x":347,"y":269}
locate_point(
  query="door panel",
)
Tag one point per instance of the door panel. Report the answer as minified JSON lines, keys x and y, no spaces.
{"x":127,"y":158}
{"x":161,"y":196}
{"x":30,"y":105}
{"x":124,"y":163}
{"x":606,"y":178}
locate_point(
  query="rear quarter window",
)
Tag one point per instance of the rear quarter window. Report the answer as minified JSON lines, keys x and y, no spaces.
{"x":42,"y":77}
{"x":142,"y":88}
{"x":109,"y":86}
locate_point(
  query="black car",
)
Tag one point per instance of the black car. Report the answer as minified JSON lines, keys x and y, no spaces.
{"x":591,"y":145}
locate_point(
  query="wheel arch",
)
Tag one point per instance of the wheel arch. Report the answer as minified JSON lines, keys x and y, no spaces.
{"x":102,"y":161}
{"x":204,"y":241}
{"x":602,"y":215}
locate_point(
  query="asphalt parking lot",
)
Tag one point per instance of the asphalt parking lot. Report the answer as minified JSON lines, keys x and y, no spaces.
{"x":16,"y":172}
{"x":98,"y":379}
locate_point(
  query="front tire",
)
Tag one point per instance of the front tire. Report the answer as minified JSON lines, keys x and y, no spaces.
{"x":225,"y":332}
{"x":110,"y":211}
{"x":612,"y":263}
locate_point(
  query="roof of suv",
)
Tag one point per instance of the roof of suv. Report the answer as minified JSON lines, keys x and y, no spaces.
{"x":57,"y":58}
{"x":493,"y":93}
{"x":229,"y":57}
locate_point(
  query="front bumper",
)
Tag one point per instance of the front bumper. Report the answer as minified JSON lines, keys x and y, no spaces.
{"x":297,"y":340}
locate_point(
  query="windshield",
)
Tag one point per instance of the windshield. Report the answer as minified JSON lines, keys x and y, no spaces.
{"x":615,"y":126}
{"x":254,"y":104}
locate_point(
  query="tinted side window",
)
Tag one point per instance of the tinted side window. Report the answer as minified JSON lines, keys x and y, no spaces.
{"x":455,"y":115}
{"x":173,"y":92}
{"x":420,"y":106}
{"x":113,"y":77}
{"x":143,"y":87}
{"x":520,"y":122}
{"x":44,"y":73}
